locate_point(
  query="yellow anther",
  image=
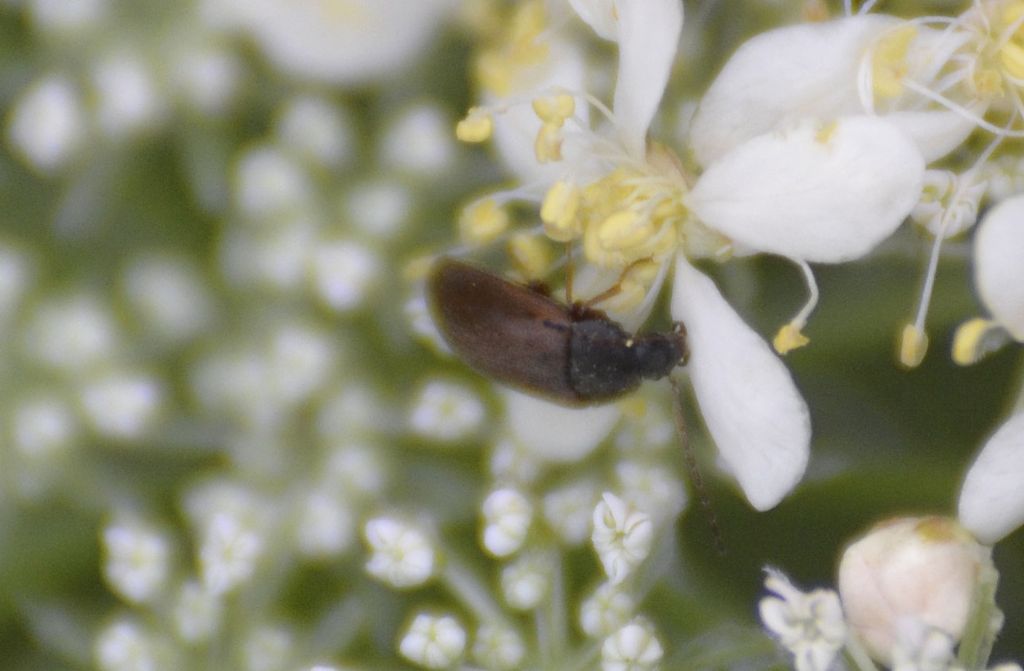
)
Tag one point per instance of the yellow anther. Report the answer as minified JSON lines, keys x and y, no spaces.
{"x":476,"y":127}
{"x":548,"y":145}
{"x":890,"y":63}
{"x":624,"y":229}
{"x":631,"y":295}
{"x":1011,"y":55}
{"x":530,"y":255}
{"x":913,"y":346}
{"x":554,"y":109}
{"x":789,"y":338}
{"x":482,"y":222}
{"x":972,"y":341}
{"x":1012,"y":13}
{"x":529,"y":21}
{"x":826,"y":132}
{"x":494,"y":72}
{"x":559,"y":212}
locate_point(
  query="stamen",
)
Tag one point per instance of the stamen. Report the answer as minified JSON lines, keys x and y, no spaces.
{"x":791,"y":335}
{"x":476,"y":127}
{"x":975,"y":338}
{"x":913,"y":346}
{"x":482,"y":222}
{"x":530,"y":255}
{"x":560,"y":211}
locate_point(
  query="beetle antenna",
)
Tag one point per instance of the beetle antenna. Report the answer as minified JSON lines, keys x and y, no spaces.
{"x":615,"y":288}
{"x":568,"y":273}
{"x":693,"y":468}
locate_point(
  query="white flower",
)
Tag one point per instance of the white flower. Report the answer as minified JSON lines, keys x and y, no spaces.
{"x":169,"y":295}
{"x":267,"y":648}
{"x":497,"y":647}
{"x":433,"y":641}
{"x":269,"y":182}
{"x":137,"y":561}
{"x":123,"y":405}
{"x":606,"y":610}
{"x":197,"y":612}
{"x":316,"y":129}
{"x":67,"y":16}
{"x":379,"y":207}
{"x":128,"y":101}
{"x":46,"y":126}
{"x":402,"y":555}
{"x":229,"y":549}
{"x":206,"y":74}
{"x":507,"y":516}
{"x":43,"y":427}
{"x":634,"y":647}
{"x":325,"y":525}
{"x":445,"y":411}
{"x":418,"y":141}
{"x":652,"y":488}
{"x":17,"y":271}
{"x":907,"y":575}
{"x":124,"y":645}
{"x":567,"y":510}
{"x":71,"y":333}
{"x":526,"y":581}
{"x":337,"y":41}
{"x":809,"y":625}
{"x":343,"y":273}
{"x":622,"y":537}
{"x":991,"y":498}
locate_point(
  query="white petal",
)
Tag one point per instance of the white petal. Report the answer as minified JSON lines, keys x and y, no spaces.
{"x":516,"y":129}
{"x":553,"y":433}
{"x":824,"y":193}
{"x":750,"y":404}
{"x":599,"y":15}
{"x":992,"y":498}
{"x":999,"y":264}
{"x":781,"y":75}
{"x":648,"y":38}
{"x":935,"y":132}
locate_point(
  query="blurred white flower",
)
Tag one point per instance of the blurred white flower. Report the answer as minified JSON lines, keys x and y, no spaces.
{"x":622,"y":537}
{"x":137,"y":561}
{"x":269,"y":182}
{"x":606,"y":610}
{"x":122,"y":404}
{"x":338,"y":41}
{"x":267,"y":648}
{"x":652,"y":488}
{"x":380,"y":207}
{"x":169,"y":295}
{"x":128,"y":101}
{"x":526,"y":581}
{"x":810,"y":625}
{"x":634,"y":647}
{"x":552,"y":433}
{"x":229,"y":549}
{"x":568,"y":510}
{"x":433,"y":641}
{"x":275,"y":258}
{"x":446,"y":412}
{"x":344,"y":272}
{"x":17,"y":270}
{"x":197,"y":612}
{"x":418,"y":141}
{"x":205,"y":74}
{"x":124,"y":645}
{"x":43,"y":426}
{"x":507,"y":516}
{"x":498,"y":648}
{"x":907,"y":575}
{"x":66,"y":16}
{"x":46,"y":126}
{"x":356,"y":469}
{"x":71,"y":333}
{"x":326,"y":524}
{"x":317,"y":130}
{"x":401,"y":554}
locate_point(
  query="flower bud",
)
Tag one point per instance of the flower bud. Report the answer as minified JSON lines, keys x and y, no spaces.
{"x":908,"y":575}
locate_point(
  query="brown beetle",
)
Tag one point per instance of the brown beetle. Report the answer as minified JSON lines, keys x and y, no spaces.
{"x":572,"y":355}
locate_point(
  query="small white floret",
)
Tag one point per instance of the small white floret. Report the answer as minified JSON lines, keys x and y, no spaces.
{"x":316,"y":129}
{"x":433,"y":641}
{"x":128,"y":101}
{"x":64,"y":17}
{"x":497,"y":647}
{"x":124,"y":645}
{"x":622,"y":536}
{"x":123,"y":405}
{"x":445,"y":411}
{"x":344,"y":272}
{"x":269,"y":182}
{"x":71,"y":333}
{"x":228,"y":552}
{"x":401,"y":554}
{"x":197,"y":612}
{"x":507,"y":516}
{"x":419,"y":141}
{"x":379,"y":208}
{"x":526,"y":581}
{"x":169,"y":295}
{"x":47,"y":125}
{"x":43,"y":427}
{"x":809,"y":625}
{"x":267,"y":648}
{"x":16,"y":275}
{"x":137,"y":561}
{"x":652,"y":488}
{"x":207,"y":76}
{"x":634,"y":647}
{"x":568,"y":509}
{"x":607,"y":609}
{"x":325,"y":525}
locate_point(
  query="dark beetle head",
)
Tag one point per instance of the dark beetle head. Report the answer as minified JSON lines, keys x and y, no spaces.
{"x":658,"y":353}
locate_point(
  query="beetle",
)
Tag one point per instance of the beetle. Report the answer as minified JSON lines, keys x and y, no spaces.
{"x":572,"y":354}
